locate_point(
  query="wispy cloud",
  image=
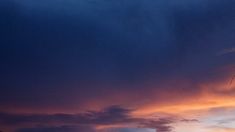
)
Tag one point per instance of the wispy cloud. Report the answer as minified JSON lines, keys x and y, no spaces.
{"x":220,"y":129}
{"x":227,"y":51}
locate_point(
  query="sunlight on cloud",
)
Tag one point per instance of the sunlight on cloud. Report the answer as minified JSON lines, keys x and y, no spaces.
{"x":128,"y":130}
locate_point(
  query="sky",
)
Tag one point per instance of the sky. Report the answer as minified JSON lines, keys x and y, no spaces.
{"x":117,"y":66}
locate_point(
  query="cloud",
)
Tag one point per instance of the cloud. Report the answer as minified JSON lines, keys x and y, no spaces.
{"x":130,"y":130}
{"x":190,"y":120}
{"x":226,"y":121}
{"x":109,"y":117}
{"x":227,"y":51}
{"x":58,"y":129}
{"x":67,"y":122}
{"x":82,"y":129}
{"x":161,"y":124}
{"x":221,"y":129}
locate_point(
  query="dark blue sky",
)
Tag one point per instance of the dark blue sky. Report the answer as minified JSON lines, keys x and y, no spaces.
{"x":70,"y":56}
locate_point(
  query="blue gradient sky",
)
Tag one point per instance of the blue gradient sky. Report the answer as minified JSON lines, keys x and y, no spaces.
{"x":117,"y":65}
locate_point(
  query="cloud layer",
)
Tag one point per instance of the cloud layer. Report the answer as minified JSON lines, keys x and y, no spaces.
{"x":110,"y":117}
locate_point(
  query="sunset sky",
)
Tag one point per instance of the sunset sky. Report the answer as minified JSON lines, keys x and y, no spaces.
{"x":117,"y":66}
